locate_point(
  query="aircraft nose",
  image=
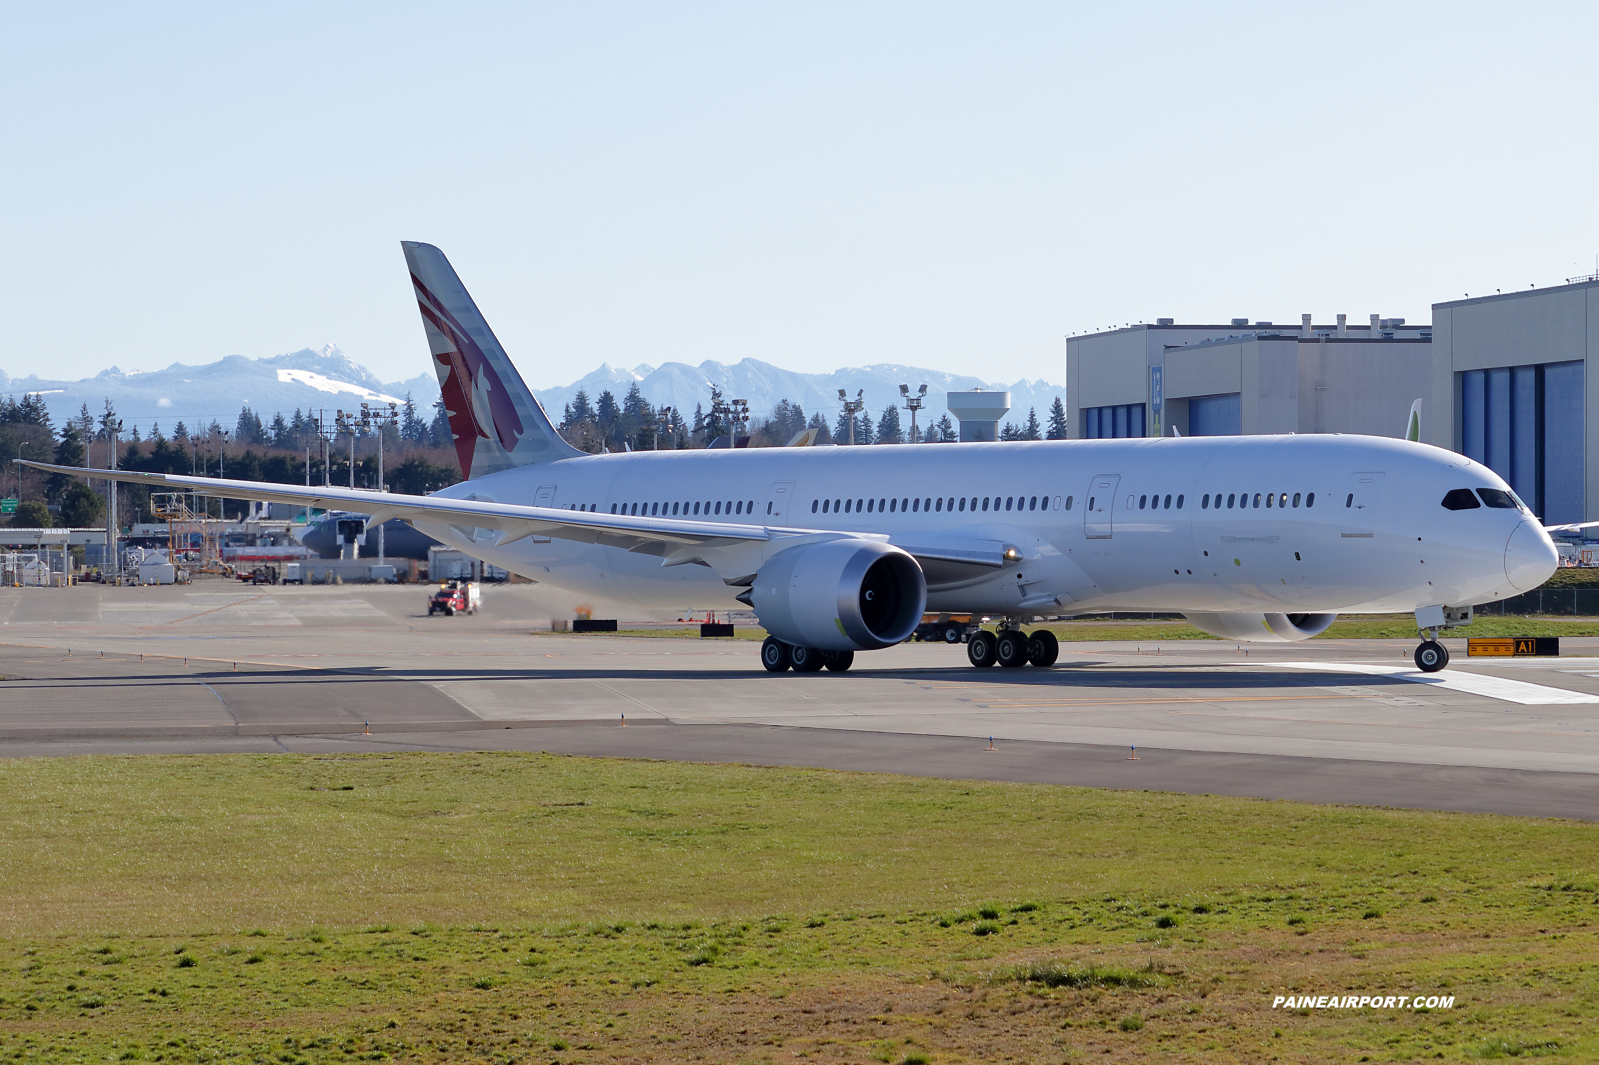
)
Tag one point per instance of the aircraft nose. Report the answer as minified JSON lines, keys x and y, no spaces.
{"x":1530,"y":559}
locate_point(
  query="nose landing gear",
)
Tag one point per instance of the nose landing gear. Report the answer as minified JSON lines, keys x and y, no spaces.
{"x":1431,"y":656}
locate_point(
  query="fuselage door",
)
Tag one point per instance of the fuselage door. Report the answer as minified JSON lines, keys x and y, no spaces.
{"x":1100,"y":504}
{"x":545,"y":498}
{"x":778,"y":501}
{"x":1361,"y":496}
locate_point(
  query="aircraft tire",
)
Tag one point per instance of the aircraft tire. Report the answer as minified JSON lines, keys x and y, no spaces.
{"x":1010,"y":648}
{"x":952,"y":634}
{"x":805,"y":659}
{"x":838,"y":661}
{"x":980,"y":649}
{"x":1043,"y":648}
{"x":774,"y":655}
{"x":1431,"y":656}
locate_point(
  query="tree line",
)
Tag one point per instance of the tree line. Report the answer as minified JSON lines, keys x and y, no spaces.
{"x":418,"y":451}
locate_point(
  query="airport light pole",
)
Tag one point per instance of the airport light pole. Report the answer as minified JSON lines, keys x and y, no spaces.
{"x":913,"y":404}
{"x":663,"y":424}
{"x":739,"y":411}
{"x":379,"y":419}
{"x":112,"y":427}
{"x":852,"y":407}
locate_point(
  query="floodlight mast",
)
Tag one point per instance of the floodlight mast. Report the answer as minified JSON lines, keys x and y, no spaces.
{"x":914,"y":404}
{"x":380,"y":419}
{"x":852,"y":407}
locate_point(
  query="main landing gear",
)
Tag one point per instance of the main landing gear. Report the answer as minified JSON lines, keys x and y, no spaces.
{"x":1012,"y":648}
{"x":777,"y":656}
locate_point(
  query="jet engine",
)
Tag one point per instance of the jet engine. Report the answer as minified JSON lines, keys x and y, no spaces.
{"x":1263,"y":628}
{"x":840,"y":595}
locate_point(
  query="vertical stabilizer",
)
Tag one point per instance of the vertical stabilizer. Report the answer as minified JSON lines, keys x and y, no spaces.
{"x":496,"y":421}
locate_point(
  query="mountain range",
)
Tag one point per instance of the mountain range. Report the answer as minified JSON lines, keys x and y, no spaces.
{"x":327,"y":378}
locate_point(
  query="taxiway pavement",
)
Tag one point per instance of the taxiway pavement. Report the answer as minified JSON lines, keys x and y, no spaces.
{"x":219,"y":666}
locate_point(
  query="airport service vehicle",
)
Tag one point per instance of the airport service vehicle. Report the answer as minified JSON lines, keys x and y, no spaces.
{"x":455,"y":597}
{"x":841,"y":550}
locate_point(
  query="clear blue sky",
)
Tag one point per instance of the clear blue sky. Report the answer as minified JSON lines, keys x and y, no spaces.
{"x":817,"y":185}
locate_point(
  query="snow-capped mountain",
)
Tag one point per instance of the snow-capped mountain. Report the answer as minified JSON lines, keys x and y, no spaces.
{"x":328,"y":379}
{"x":305,"y":379}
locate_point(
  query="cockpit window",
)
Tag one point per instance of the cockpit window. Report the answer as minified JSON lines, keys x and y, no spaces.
{"x":1497,"y":498}
{"x":1461,"y":499}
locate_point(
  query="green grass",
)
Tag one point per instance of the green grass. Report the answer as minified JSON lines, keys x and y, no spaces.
{"x":457,"y":907}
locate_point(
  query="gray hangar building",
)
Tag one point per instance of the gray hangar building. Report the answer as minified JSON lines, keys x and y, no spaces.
{"x":1501,"y":378}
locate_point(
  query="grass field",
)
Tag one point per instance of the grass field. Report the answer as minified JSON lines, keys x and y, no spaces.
{"x":531,"y":908}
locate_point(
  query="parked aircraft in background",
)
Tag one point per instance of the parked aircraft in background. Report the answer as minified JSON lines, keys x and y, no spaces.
{"x":839,"y":550}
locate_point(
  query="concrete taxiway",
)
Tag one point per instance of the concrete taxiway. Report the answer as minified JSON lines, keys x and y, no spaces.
{"x":220,"y":666}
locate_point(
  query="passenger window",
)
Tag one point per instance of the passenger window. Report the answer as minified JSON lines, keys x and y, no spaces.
{"x":655,"y":509}
{"x":835,"y":506}
{"x":1179,"y":502}
{"x":1008,"y":501}
{"x":719,"y":506}
{"x":1461,"y":499}
{"x":1310,"y":500}
{"x":963,"y":503}
{"x":1229,"y":501}
{"x":674,"y":508}
{"x":1257,"y":500}
{"x":880,"y":506}
{"x":1497,"y":498}
{"x":1068,"y":502}
{"x":893,"y":506}
{"x":1032,"y":503}
{"x":857,"y":506}
{"x":738,"y":508}
{"x":1166,"y":505}
{"x":1141,"y":501}
{"x":847,"y":504}
{"x":814,"y":505}
{"x":1204,"y":501}
{"x":869,"y":504}
{"x":916,"y":505}
{"x":1296,"y":499}
{"x":985,"y":503}
{"x":1349,"y":501}
{"x":749,"y":506}
{"x":1269,"y":500}
{"x":1282,"y":501}
{"x":613,"y":508}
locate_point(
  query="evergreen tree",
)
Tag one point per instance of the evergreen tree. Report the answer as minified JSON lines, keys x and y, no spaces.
{"x":180,"y":431}
{"x":280,"y":431}
{"x":888,"y":430}
{"x":412,"y":427}
{"x":1010,"y":432}
{"x":69,"y":452}
{"x":155,"y":433}
{"x":606,"y":413}
{"x":841,"y":431}
{"x":817,"y":422}
{"x":1030,"y":430}
{"x":84,"y":423}
{"x":1057,"y":420}
{"x":863,"y":433}
{"x":248,"y":429}
{"x":81,"y":506}
{"x":943,"y":431}
{"x":439,"y":432}
{"x":582,"y":410}
{"x":715,"y":425}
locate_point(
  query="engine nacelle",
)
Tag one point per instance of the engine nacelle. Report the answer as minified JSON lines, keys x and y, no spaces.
{"x":1263,"y":628}
{"x":840,"y":595}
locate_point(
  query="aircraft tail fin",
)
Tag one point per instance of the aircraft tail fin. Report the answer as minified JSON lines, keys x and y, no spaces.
{"x":1413,"y":422}
{"x":496,"y":421}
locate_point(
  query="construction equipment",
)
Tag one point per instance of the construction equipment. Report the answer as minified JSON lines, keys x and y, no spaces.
{"x":194,"y":537}
{"x":455,"y":597}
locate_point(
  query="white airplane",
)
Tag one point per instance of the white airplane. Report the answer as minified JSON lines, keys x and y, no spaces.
{"x":844,"y":549}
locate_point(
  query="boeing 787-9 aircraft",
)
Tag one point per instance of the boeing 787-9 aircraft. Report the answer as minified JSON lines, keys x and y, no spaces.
{"x":844,"y":549}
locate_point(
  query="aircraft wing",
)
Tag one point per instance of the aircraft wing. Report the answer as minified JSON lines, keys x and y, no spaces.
{"x":677,"y":540}
{"x":1577,"y":526}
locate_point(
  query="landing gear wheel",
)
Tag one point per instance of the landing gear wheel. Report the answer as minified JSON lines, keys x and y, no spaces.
{"x":774,"y":655}
{"x":838,"y":661}
{"x":952,"y":634}
{"x":1010,"y":647}
{"x":1043,"y":648}
{"x":805,"y":659}
{"x":1431,"y":656}
{"x":980,"y":648}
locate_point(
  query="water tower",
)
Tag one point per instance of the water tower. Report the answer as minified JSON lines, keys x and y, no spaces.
{"x":979,"y":413}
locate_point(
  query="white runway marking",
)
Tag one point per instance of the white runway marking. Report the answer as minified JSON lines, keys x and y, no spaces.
{"x":1511,"y":691}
